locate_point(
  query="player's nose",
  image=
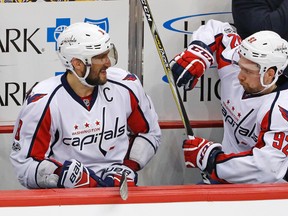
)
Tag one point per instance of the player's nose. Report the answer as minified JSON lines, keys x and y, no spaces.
{"x":241,"y":76}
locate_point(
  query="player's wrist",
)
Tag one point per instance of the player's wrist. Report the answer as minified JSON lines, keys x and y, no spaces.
{"x":211,"y":163}
{"x":132,"y":165}
{"x":202,"y":45}
{"x":113,"y":174}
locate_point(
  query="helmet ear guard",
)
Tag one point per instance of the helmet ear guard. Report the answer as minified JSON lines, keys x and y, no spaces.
{"x":84,"y":41}
{"x":267,"y":49}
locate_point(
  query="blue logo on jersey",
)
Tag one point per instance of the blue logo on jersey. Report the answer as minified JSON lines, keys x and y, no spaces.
{"x":284,"y":112}
{"x":130,"y":77}
{"x":35,"y":98}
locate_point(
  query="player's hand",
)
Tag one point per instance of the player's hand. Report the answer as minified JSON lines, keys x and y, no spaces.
{"x":188,"y":66}
{"x":197,"y":152}
{"x":113,"y":174}
{"x":75,"y":175}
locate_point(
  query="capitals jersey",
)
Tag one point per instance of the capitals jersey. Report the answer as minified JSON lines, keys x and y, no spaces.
{"x":56,"y":124}
{"x":255,"y":140}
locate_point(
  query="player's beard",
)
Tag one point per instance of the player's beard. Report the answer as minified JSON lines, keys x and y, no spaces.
{"x":100,"y":79}
{"x":250,"y":90}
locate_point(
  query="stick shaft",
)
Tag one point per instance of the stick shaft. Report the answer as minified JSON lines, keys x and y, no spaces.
{"x":166,"y":66}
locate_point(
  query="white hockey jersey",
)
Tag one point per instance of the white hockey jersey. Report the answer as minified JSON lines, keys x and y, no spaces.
{"x":55,"y":123}
{"x":255,"y":126}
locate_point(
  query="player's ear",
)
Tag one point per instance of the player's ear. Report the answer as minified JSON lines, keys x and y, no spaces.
{"x":270,"y":73}
{"x":76,"y":62}
{"x":78,"y":66}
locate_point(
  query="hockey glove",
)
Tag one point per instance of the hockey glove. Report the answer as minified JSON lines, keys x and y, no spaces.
{"x":75,"y":175}
{"x":197,"y":152}
{"x":113,"y":174}
{"x":45,"y":176}
{"x":188,"y":66}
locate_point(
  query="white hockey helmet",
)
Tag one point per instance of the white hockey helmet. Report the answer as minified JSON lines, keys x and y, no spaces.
{"x":267,"y":49}
{"x":84,"y":41}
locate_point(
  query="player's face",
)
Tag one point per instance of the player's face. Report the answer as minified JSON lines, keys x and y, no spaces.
{"x":98,"y":74}
{"x":249,"y":76}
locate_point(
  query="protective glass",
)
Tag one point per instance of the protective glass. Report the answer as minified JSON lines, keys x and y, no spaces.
{"x":112,"y":55}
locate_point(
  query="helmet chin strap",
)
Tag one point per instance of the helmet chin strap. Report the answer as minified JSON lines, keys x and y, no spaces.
{"x":266,"y":86}
{"x":83,"y":79}
{"x":260,"y":92}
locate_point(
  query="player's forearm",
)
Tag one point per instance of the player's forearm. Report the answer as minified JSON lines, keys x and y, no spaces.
{"x":212,"y":33}
{"x":144,"y":147}
{"x":25,"y":171}
{"x":247,"y":167}
{"x":220,"y":38}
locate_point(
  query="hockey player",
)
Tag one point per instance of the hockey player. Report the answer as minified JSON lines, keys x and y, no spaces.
{"x":89,"y":126}
{"x":254,"y":104}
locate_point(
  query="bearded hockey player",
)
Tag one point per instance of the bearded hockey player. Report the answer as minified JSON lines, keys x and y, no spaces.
{"x":89,"y":126}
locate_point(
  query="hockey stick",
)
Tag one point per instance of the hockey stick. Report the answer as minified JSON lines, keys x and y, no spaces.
{"x":167,"y":69}
{"x":168,"y":72}
{"x":123,"y":187}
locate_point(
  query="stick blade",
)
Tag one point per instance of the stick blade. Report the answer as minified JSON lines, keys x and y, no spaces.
{"x":123,"y":188}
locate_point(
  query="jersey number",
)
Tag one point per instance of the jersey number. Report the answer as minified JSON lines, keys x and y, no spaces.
{"x":279,"y":139}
